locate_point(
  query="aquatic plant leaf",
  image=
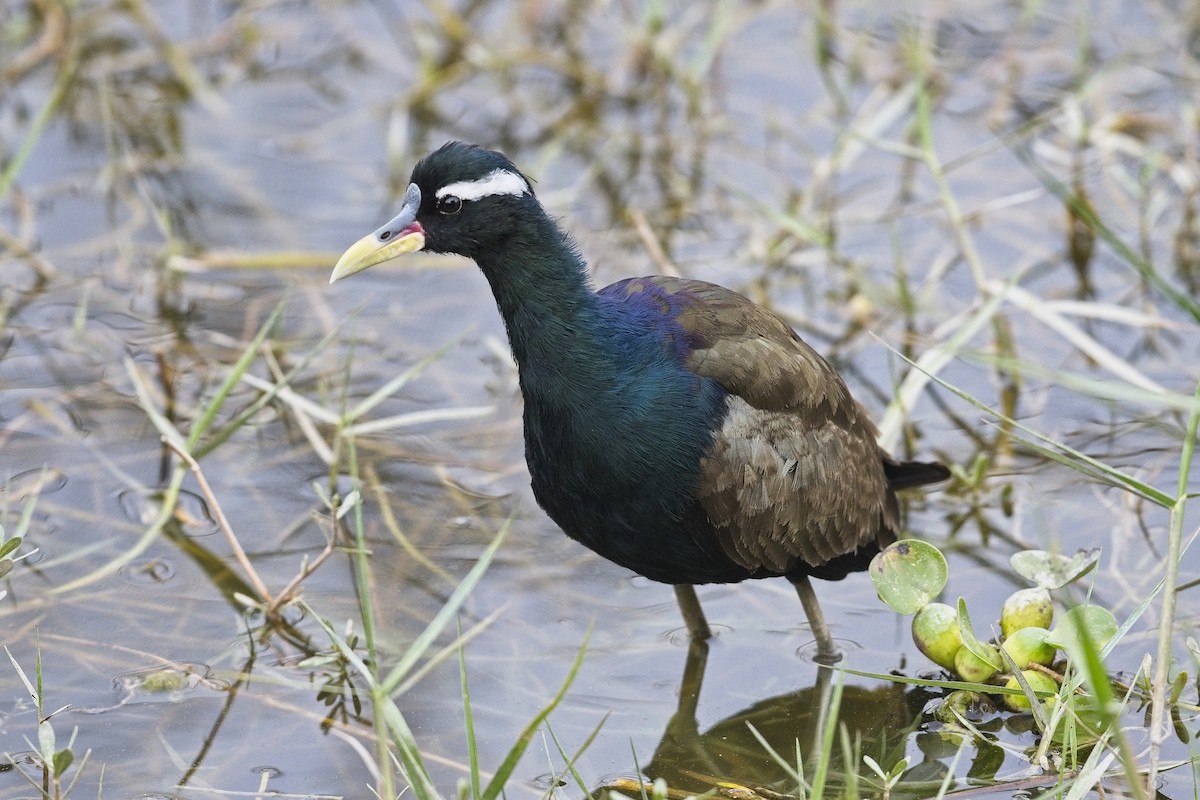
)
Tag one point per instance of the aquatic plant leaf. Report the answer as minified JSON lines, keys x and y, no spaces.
{"x":1053,"y":570}
{"x":908,"y":574}
{"x":1026,"y":608}
{"x":10,"y":545}
{"x":1177,"y":688}
{"x":46,"y":742}
{"x":63,"y":760}
{"x":1095,"y":622}
{"x":1083,"y":726}
{"x":985,"y":652}
{"x":935,"y":631}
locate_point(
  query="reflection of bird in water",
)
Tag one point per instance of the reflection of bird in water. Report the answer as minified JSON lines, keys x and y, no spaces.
{"x":672,"y":426}
{"x":730,"y":753}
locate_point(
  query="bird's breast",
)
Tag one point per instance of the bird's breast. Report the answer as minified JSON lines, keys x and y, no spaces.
{"x":621,"y":476}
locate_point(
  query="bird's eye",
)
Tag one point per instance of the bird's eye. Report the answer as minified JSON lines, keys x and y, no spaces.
{"x":449,"y":204}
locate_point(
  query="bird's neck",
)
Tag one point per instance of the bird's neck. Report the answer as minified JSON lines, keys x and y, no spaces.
{"x":556,"y":326}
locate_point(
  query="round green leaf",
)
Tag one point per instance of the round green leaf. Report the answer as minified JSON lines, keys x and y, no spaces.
{"x":908,"y":574}
{"x":1095,"y":622}
{"x":1080,"y":726}
{"x":1053,"y":570}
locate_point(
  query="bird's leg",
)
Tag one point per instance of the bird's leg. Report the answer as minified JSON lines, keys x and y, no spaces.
{"x":681,"y":746}
{"x":693,"y":614}
{"x":693,"y":678}
{"x":827,"y":653}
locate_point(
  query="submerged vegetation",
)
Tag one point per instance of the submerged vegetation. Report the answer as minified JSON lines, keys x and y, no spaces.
{"x":264,"y":536}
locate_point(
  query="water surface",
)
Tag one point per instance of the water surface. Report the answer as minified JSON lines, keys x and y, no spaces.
{"x":206,"y":162}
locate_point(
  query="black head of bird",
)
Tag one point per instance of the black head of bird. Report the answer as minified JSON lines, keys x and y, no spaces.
{"x":672,"y":426}
{"x":494,"y":195}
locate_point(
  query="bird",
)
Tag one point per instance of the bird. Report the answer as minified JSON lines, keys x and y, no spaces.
{"x":672,"y":426}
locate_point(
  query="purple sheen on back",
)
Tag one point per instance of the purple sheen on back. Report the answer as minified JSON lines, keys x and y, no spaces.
{"x":643,"y":305}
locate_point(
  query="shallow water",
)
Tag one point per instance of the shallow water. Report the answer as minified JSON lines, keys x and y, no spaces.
{"x":197,"y":134}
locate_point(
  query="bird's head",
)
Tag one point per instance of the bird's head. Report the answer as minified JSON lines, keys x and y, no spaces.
{"x":461,"y":199}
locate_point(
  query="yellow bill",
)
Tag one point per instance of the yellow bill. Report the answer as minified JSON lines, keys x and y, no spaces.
{"x":402,"y":234}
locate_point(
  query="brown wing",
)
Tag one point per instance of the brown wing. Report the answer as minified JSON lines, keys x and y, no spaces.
{"x":794,"y":474}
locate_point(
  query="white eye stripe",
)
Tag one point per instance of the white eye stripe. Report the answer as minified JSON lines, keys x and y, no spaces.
{"x":499,"y":181}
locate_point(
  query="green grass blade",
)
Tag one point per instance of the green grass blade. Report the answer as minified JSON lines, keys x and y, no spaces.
{"x":401,"y":735}
{"x":270,"y":390}
{"x":455,"y":414}
{"x":23,"y":523}
{"x":164,"y":426}
{"x":496,"y":784}
{"x":569,"y":761}
{"x":469,"y":719}
{"x":1088,"y":216}
{"x":62,"y":83}
{"x":415,"y":771}
{"x":1125,"y":392}
{"x":794,"y":771}
{"x":1091,"y":467}
{"x":930,"y":363}
{"x":984,"y":688}
{"x":387,"y":726}
{"x":1170,"y":587}
{"x":1117,"y":477}
{"x":395,"y":384}
{"x":444,"y":654}
{"x":446,"y":614}
{"x":33,"y":693}
{"x":169,"y":498}
{"x":828,"y":734}
{"x":366,"y":609}
{"x":210,"y":411}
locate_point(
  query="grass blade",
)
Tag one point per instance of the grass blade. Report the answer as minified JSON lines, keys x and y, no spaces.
{"x":469,"y":719}
{"x":210,"y":412}
{"x":395,"y":384}
{"x":496,"y":784}
{"x":446,"y":614}
{"x":402,"y":736}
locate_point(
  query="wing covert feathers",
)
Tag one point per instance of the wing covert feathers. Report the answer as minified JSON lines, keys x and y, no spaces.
{"x":794,"y":473}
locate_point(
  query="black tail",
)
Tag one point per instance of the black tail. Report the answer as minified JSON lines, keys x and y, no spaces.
{"x":906,"y":474}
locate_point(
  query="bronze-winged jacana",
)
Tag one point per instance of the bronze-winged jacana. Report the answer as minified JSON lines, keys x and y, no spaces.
{"x":672,"y":426}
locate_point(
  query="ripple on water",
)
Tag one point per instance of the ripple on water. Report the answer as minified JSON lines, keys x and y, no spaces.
{"x":682,"y":637}
{"x":143,"y":505}
{"x":547,"y":781}
{"x":148,"y":571}
{"x":29,"y":557}
{"x":290,"y":614}
{"x":23,"y":758}
{"x":808,"y":652}
{"x":31,"y":482}
{"x":166,"y":682}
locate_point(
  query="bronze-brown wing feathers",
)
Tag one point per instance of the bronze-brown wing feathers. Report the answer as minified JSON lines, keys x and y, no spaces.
{"x":794,"y":478}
